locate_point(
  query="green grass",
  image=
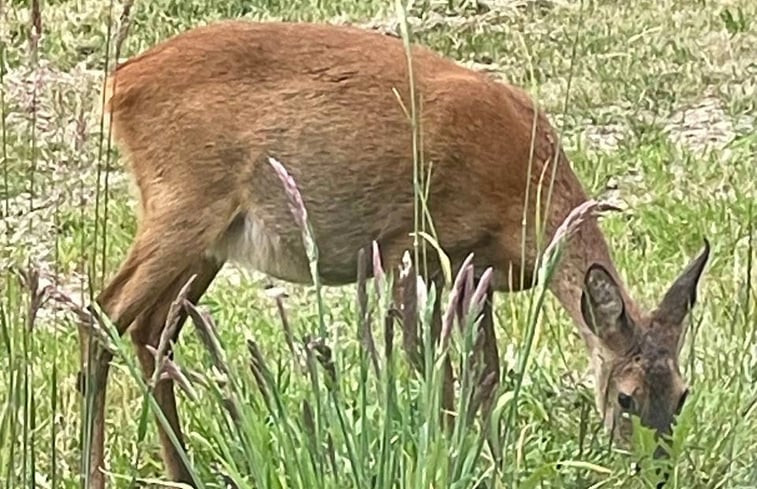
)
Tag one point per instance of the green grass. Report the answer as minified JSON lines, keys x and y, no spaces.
{"x":660,"y":115}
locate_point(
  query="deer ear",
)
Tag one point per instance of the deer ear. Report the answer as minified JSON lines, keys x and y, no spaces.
{"x":603,"y":308}
{"x":682,"y":294}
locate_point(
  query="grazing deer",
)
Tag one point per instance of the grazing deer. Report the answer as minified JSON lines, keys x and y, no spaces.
{"x":199,"y":115}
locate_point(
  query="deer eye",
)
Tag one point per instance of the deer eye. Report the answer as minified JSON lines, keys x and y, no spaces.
{"x":625,"y":401}
{"x":682,"y":401}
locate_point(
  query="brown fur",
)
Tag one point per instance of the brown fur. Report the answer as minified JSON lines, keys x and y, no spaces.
{"x":198,"y":115}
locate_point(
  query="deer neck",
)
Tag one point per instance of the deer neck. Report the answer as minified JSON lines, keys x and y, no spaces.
{"x":586,"y":247}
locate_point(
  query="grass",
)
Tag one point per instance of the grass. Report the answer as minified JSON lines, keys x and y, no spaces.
{"x":660,"y":115}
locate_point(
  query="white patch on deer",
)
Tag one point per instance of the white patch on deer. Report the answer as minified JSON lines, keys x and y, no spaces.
{"x":255,"y":245}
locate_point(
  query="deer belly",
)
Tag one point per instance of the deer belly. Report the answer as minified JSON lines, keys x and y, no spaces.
{"x":253,"y":243}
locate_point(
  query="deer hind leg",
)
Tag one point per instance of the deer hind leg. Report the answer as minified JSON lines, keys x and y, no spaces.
{"x":166,"y":245}
{"x":146,"y":331}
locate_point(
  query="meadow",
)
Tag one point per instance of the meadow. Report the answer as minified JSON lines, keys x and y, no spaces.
{"x":655,"y":102}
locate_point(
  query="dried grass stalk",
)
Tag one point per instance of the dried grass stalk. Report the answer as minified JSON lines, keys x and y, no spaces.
{"x":322,"y":353}
{"x":206,"y":331}
{"x":379,"y":277}
{"x":38,"y":295}
{"x":89,"y":323}
{"x":294,"y":198}
{"x":174,"y":316}
{"x":259,"y":371}
{"x":170,"y":370}
{"x":580,"y":214}
{"x":278,"y":295}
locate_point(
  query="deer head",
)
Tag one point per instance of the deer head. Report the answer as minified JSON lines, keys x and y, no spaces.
{"x":636,"y":358}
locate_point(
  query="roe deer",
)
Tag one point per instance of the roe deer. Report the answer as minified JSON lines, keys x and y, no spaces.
{"x":199,"y":115}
